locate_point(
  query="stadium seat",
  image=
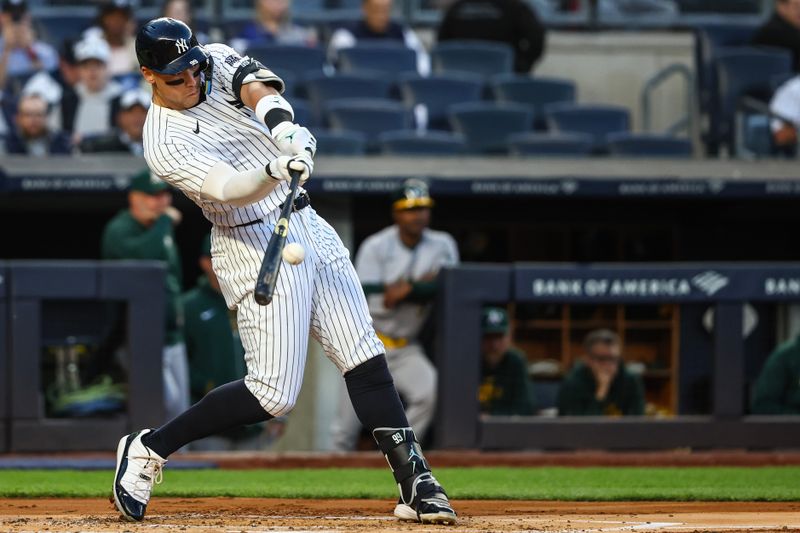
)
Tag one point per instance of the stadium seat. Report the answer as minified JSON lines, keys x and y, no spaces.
{"x":370,"y":116}
{"x":404,"y":142}
{"x":479,"y":57}
{"x":535,"y":92}
{"x":322,"y":89}
{"x":302,"y":61}
{"x":55,"y":27}
{"x":710,"y":41}
{"x":384,"y":58}
{"x":486,"y":126}
{"x":340,"y":142}
{"x":757,"y":135}
{"x":293,"y":86}
{"x":302,"y":112}
{"x":438,"y":92}
{"x":533,"y":144}
{"x":595,"y":120}
{"x":744,"y":73}
{"x":648,"y":145}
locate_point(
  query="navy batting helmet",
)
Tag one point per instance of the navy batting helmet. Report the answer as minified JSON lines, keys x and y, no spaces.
{"x":168,"y":46}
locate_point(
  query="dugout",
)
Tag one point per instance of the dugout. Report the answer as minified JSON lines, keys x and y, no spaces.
{"x":499,"y":210}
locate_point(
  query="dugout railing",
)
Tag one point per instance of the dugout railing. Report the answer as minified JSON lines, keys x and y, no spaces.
{"x":465,"y":289}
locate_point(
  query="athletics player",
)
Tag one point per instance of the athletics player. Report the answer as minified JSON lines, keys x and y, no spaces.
{"x":219,"y":130}
{"x":398,"y":267}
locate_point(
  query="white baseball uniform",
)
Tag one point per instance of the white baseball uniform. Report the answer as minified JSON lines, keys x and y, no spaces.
{"x":322,"y":295}
{"x":384,"y":259}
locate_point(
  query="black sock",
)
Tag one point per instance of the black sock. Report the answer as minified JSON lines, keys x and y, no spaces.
{"x":373,"y":395}
{"x":226,"y":407}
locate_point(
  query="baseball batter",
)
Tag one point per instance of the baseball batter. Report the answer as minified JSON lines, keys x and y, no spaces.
{"x":220,"y":131}
{"x":398,"y":267}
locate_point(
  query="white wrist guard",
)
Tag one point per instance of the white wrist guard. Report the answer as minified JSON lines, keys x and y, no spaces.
{"x":272,"y":110}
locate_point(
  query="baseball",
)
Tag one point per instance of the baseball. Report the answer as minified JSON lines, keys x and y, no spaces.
{"x":293,"y":253}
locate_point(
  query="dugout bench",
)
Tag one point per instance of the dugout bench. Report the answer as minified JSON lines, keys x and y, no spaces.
{"x":43,"y":300}
{"x":465,"y":289}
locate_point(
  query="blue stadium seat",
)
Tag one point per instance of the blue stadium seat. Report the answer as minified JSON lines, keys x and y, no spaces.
{"x":322,"y":89}
{"x":596,"y":120}
{"x":290,"y":81}
{"x":340,"y":142}
{"x":486,"y":126}
{"x":407,"y":142}
{"x":479,"y":57}
{"x":438,"y":92}
{"x":533,"y":144}
{"x":302,"y":112}
{"x":710,"y":41}
{"x":744,"y":73}
{"x":386,"y":58}
{"x":648,"y":145}
{"x":370,"y":116}
{"x":535,"y":92}
{"x":55,"y":27}
{"x":302,"y":61}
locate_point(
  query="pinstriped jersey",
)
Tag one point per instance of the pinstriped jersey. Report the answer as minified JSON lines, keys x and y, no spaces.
{"x":181,"y":146}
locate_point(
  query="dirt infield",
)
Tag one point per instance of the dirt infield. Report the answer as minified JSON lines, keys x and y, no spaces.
{"x":254,"y":515}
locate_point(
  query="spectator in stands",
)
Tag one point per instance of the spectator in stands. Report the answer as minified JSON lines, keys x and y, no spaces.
{"x":272,"y":25}
{"x":398,"y":267}
{"x":506,"y":21}
{"x":505,"y":388}
{"x":116,"y":25}
{"x":182,"y":10}
{"x":127,"y":136}
{"x":32,"y":135}
{"x":377,"y":24}
{"x":92,"y":113}
{"x":600,"y":384}
{"x":144,"y":231}
{"x":785,"y":105}
{"x":21,"y":55}
{"x":782,"y":30}
{"x":777,"y":389}
{"x":215,"y":352}
{"x":58,"y":88}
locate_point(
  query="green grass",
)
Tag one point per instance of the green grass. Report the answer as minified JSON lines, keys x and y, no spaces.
{"x":598,"y":484}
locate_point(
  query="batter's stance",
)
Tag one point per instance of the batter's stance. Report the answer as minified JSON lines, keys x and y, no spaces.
{"x":220,"y":131}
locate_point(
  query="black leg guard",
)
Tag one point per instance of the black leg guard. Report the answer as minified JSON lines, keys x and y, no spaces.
{"x":421,"y":497}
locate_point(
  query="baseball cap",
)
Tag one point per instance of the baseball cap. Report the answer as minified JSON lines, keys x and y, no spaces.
{"x":413,"y":193}
{"x":92,"y":48}
{"x":134,"y":97}
{"x":148,"y":183}
{"x":494,"y":320}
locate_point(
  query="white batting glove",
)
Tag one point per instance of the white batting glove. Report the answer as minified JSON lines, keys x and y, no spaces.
{"x":294,"y":138}
{"x":278,"y":169}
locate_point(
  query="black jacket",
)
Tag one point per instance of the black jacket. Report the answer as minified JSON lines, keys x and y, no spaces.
{"x":778,"y":33}
{"x":509,"y":21}
{"x":58,"y":143}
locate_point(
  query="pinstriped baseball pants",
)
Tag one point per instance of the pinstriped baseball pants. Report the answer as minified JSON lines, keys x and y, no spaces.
{"x":321,"y":296}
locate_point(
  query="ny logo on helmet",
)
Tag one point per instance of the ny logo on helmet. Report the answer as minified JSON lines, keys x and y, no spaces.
{"x":182,"y":45}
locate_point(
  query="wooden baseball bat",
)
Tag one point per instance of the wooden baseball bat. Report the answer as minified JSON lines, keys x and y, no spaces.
{"x":271,"y":264}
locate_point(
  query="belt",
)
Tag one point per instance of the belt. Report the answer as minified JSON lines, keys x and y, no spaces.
{"x":301,"y":202}
{"x":392,"y":343}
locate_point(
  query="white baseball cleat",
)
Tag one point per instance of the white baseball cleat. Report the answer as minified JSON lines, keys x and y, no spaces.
{"x":429,"y":503}
{"x":138,"y":468}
